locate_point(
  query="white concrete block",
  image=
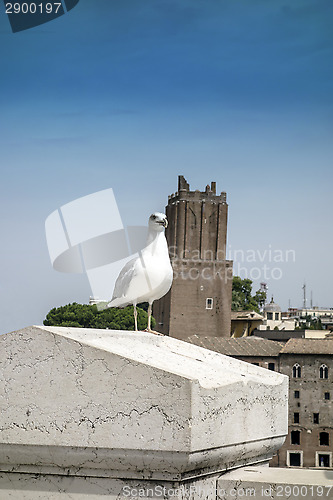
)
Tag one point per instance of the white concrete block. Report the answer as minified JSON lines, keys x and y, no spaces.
{"x":132,"y":405}
{"x":275,"y":483}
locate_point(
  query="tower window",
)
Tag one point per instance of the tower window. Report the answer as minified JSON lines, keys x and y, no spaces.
{"x":296,"y":418}
{"x":324,"y":439}
{"x":295,"y":437}
{"x":294,"y":459}
{"x":296,"y":371}
{"x":296,"y":394}
{"x":271,"y":366}
{"x":316,"y":418}
{"x":276,"y":316}
{"x":269,"y":315}
{"x":209,"y":303}
{"x":327,"y":395}
{"x":323,"y":459}
{"x":323,"y":371}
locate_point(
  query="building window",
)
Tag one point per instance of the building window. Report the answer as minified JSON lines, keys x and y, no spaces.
{"x":323,"y":459}
{"x":295,"y":437}
{"x":209,"y":303}
{"x":271,"y":366}
{"x":269,"y":315}
{"x":257,"y":364}
{"x":276,"y":316}
{"x":323,"y":371}
{"x":327,"y":395}
{"x":296,"y":394}
{"x":324,"y":439}
{"x":316,"y":418}
{"x":296,"y":371}
{"x":296,"y":418}
{"x":294,"y":458}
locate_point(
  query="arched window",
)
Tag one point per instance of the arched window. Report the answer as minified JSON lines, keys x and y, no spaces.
{"x":323,"y":371}
{"x":324,"y":439}
{"x":296,"y":371}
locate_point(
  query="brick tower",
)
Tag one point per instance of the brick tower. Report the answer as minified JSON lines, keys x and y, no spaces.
{"x":199,"y":301}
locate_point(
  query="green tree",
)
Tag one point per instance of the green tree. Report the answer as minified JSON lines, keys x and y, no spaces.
{"x":310,"y":323}
{"x":86,"y":316}
{"x":242,"y":298}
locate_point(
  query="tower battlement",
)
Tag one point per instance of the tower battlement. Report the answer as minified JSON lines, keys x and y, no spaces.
{"x":184,"y":193}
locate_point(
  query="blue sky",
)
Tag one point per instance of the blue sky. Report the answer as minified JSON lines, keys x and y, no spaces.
{"x":129,"y":94}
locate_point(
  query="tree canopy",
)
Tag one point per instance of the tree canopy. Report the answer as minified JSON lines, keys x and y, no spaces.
{"x":86,"y":316}
{"x":242,"y":298}
{"x":309,"y":322}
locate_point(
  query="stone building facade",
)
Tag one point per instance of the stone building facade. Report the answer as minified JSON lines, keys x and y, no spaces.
{"x":309,"y":365}
{"x":200,"y":296}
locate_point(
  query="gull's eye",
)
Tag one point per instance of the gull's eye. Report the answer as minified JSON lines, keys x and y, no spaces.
{"x":153,"y":217}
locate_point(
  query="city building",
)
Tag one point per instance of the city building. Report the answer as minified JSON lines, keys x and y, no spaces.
{"x":306,"y":316}
{"x":309,"y":365}
{"x":315,"y":312}
{"x":285,"y":335}
{"x":257,"y":351}
{"x":243,"y":323}
{"x":273,"y":319}
{"x":200,"y":296}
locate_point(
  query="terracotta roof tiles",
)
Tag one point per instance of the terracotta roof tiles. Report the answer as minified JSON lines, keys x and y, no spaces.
{"x":244,"y":346}
{"x":308,"y":346}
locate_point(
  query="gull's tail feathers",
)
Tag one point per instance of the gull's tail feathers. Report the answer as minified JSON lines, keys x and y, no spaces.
{"x":117,"y":302}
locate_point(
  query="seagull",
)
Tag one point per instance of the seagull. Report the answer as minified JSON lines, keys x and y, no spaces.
{"x":147,"y":277}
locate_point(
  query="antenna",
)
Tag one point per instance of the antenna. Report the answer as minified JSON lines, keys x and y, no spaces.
{"x":263,"y":288}
{"x":311,"y":301}
{"x":304,"y":296}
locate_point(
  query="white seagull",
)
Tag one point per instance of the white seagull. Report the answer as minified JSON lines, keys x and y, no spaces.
{"x":148,"y":277}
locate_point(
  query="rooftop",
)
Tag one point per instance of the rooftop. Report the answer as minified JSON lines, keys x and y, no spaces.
{"x":272,"y":307}
{"x":244,"y":346}
{"x":246,"y":315}
{"x":308,"y":346}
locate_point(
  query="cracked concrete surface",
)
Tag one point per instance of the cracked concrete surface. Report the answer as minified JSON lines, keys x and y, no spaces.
{"x":101,"y":403}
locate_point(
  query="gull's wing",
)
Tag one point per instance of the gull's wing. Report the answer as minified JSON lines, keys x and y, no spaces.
{"x":128,"y":272}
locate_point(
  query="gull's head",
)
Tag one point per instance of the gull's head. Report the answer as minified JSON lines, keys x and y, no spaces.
{"x":157,"y":221}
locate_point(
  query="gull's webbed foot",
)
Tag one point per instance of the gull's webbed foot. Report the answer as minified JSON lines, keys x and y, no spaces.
{"x":149,"y":330}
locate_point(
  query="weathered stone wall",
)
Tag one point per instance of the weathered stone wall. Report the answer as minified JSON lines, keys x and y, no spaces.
{"x":196,"y":236}
{"x":88,"y":412}
{"x":92,"y":414}
{"x":311,"y":400}
{"x":262,"y":361}
{"x":275,"y":484}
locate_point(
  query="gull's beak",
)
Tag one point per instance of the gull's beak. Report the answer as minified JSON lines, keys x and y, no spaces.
{"x":165,"y":222}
